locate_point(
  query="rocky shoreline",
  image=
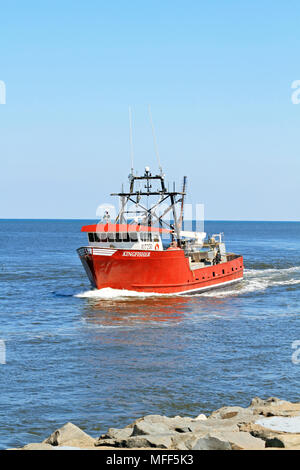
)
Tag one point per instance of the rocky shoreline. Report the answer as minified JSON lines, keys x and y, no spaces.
{"x":265,"y":424}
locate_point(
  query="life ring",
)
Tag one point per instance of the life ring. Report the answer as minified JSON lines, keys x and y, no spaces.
{"x":156,"y":246}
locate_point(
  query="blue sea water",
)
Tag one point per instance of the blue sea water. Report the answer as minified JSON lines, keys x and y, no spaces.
{"x":102,"y":359}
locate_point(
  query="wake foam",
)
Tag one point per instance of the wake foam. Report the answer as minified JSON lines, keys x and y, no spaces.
{"x":255,"y":280}
{"x":109,"y":294}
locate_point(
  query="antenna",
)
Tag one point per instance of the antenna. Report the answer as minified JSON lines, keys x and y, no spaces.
{"x":154,"y":140}
{"x":182,"y":202}
{"x":131,"y":142}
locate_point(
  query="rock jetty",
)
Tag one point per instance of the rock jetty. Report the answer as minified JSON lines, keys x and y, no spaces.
{"x":270,"y":423}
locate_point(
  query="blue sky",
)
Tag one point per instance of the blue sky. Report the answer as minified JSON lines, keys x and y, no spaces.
{"x":218,"y":77}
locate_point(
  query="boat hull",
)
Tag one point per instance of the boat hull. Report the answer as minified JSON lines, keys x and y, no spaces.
{"x":164,"y":272}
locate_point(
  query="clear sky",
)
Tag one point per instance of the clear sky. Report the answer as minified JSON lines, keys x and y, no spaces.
{"x":217,"y":74}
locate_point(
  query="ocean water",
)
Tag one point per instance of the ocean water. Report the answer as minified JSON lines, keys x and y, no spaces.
{"x":102,"y":359}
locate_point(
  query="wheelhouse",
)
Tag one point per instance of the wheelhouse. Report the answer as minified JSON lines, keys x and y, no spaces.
{"x":122,"y":236}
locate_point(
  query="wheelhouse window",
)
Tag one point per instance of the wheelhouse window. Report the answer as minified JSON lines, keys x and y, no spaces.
{"x":146,"y":236}
{"x":113,"y":237}
{"x":125,"y":237}
{"x":133,"y":237}
{"x":121,"y":237}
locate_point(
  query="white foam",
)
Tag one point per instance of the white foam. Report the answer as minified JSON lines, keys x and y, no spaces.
{"x":288,"y":282}
{"x":109,"y":293}
{"x":255,"y":280}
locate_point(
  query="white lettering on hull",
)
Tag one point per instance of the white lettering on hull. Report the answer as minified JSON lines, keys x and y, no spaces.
{"x":137,"y":254}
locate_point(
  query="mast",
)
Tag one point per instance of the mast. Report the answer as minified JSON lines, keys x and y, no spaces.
{"x":135,"y":196}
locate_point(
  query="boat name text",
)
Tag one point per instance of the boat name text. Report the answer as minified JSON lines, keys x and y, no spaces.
{"x":137,"y":253}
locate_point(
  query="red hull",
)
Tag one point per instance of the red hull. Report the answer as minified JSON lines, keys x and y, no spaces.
{"x":164,"y":272}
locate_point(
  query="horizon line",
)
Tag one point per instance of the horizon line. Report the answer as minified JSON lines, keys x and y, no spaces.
{"x":206,"y":220}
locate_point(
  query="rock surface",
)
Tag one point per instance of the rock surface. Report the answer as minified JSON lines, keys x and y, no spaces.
{"x":70,"y":435}
{"x":228,"y":428}
{"x":229,"y":440}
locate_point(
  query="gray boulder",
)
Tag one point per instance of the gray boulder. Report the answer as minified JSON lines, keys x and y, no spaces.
{"x":229,"y":441}
{"x":228,"y":412}
{"x":38,"y":446}
{"x":273,"y":438}
{"x":114,"y":433}
{"x":185,"y":441}
{"x":287,"y":441}
{"x":101,"y":442}
{"x":272,"y":401}
{"x":274,"y":407}
{"x":213,"y":425}
{"x":211,"y":442}
{"x":70,"y":435}
{"x":143,"y":428}
{"x":159,"y":441}
{"x":155,"y":422}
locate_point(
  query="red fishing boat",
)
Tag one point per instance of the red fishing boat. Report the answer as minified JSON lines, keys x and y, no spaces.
{"x":148,"y":253}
